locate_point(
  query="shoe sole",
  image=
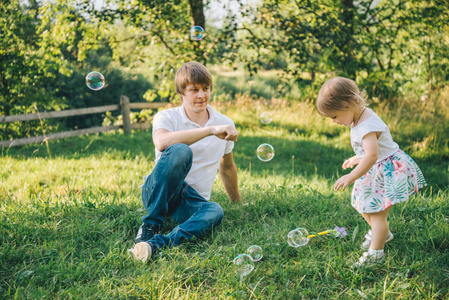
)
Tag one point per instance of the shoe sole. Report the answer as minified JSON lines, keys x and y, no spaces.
{"x":141,"y":251}
{"x":391,"y":237}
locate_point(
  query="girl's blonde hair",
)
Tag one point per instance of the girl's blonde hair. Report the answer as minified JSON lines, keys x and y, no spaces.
{"x":192,"y":73}
{"x":339,"y":93}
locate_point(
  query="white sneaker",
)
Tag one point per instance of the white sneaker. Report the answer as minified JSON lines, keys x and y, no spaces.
{"x":368,"y":260}
{"x":141,"y":251}
{"x":367,"y":242}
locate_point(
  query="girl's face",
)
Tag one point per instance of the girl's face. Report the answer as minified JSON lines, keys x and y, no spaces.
{"x":342,"y":117}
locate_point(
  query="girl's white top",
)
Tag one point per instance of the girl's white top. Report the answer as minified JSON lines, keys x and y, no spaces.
{"x":387,"y":146}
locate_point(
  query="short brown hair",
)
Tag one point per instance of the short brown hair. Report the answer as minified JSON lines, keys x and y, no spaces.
{"x":339,"y":93}
{"x":192,"y":73}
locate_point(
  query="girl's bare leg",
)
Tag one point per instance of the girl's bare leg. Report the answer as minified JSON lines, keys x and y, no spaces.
{"x":379,"y":228}
{"x":367,"y":218}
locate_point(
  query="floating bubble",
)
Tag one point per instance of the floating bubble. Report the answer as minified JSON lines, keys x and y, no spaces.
{"x":255,"y":252}
{"x":265,"y":152}
{"x":265,"y":117}
{"x":196,"y":33}
{"x":95,"y":80}
{"x":244,"y":265}
{"x":298,"y":237}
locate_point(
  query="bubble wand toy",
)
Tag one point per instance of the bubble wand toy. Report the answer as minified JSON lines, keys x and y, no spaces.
{"x":300,"y":236}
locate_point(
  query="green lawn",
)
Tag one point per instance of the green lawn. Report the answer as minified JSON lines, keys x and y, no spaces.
{"x":68,"y":219}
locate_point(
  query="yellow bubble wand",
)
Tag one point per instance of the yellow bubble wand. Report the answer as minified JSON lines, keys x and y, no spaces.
{"x":300,"y":236}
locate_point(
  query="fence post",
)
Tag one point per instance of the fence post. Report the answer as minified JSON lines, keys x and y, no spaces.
{"x":124,"y":106}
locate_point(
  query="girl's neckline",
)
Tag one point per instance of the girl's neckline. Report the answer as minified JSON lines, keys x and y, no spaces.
{"x":368,"y":111}
{"x":360,"y":116}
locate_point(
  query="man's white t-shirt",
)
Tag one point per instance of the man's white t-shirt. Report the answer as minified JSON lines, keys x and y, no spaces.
{"x":207,"y":152}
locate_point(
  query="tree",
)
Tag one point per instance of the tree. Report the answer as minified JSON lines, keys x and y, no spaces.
{"x":164,"y":26}
{"x":47,"y":47}
{"x":46,"y":51}
{"x":350,"y":38}
{"x":22,"y":69}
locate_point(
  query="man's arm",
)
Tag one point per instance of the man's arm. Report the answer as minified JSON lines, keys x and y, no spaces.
{"x":162,"y":138}
{"x":228,"y":174}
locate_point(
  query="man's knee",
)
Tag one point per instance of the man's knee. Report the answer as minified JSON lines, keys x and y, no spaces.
{"x":216,"y":214}
{"x":180,"y":154}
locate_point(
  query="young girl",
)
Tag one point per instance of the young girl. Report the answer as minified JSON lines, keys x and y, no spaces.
{"x":384,"y":176}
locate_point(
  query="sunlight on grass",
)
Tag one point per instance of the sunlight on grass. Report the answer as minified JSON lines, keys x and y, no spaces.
{"x":66,"y":222}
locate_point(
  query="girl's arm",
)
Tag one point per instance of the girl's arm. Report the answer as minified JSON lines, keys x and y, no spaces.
{"x":350,"y":162}
{"x":370,"y":147}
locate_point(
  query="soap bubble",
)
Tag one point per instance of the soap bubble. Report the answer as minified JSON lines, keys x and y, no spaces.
{"x":265,"y":117}
{"x":244,"y":265}
{"x":255,"y":252}
{"x":265,"y":152}
{"x":298,"y":237}
{"x":95,"y":81}
{"x":196,"y":33}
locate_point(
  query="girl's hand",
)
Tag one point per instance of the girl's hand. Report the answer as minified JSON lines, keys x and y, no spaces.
{"x":343,"y":181}
{"x":350,"y":162}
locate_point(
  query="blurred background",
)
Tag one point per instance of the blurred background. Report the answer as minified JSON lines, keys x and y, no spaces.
{"x":263,"y":49}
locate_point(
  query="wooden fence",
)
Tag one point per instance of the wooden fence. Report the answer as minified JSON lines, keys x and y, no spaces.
{"x":125,"y":106}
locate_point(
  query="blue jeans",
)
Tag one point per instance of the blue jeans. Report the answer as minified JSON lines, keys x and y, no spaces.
{"x":165,"y":193}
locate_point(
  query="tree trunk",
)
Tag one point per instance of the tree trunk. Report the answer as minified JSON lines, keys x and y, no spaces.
{"x":348,"y":44}
{"x":196,"y":7}
{"x":429,"y":62}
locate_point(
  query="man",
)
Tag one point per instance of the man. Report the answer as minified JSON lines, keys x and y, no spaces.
{"x":192,"y":142}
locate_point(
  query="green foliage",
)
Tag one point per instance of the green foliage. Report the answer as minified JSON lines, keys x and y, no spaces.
{"x":394,"y":50}
{"x":37,"y":45}
{"x":155,"y":36}
{"x":388,"y":48}
{"x":22,"y":78}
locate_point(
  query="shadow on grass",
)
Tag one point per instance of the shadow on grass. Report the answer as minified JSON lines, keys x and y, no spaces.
{"x":49,"y":247}
{"x":116,"y":144}
{"x":60,"y":243}
{"x":291,"y":157}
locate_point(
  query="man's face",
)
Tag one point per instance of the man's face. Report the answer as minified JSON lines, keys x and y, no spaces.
{"x":196,"y":97}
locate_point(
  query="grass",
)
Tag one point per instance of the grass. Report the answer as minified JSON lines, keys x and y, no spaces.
{"x":67,"y":221}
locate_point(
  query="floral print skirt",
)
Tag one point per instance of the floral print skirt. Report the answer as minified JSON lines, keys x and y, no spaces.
{"x":388,"y":182}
